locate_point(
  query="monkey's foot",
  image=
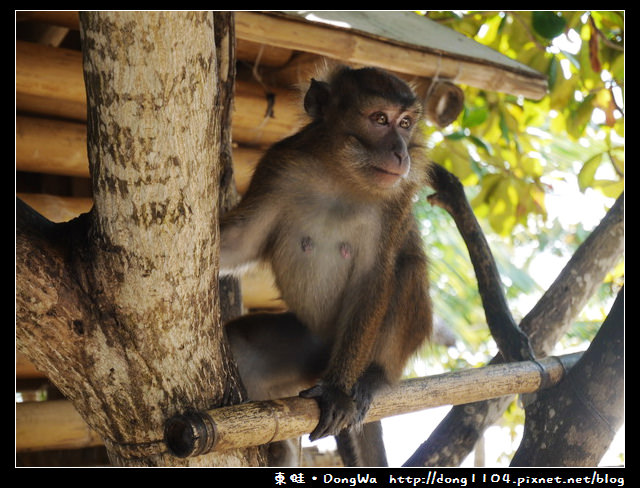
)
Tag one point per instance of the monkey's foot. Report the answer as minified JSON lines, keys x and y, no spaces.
{"x":337,"y":410}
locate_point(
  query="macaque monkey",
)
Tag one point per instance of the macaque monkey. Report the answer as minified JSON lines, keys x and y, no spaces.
{"x":330,"y":210}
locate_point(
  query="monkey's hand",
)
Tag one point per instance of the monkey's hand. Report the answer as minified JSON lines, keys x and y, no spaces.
{"x":337,"y":410}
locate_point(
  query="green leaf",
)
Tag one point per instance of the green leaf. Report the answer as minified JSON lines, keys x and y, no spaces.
{"x":474,"y":116}
{"x":588,"y":171}
{"x":456,"y":136}
{"x":548,"y":24}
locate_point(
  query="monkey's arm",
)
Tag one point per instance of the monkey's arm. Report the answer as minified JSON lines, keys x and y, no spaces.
{"x":360,"y":321}
{"x":244,"y":233}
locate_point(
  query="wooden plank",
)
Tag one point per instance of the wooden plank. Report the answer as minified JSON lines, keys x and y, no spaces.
{"x":261,"y":54}
{"x":394,"y":40}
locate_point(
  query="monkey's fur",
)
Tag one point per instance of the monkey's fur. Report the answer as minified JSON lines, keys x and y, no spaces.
{"x":329,"y":208}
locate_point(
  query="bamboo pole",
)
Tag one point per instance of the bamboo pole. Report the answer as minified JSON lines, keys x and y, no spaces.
{"x":272,"y":39}
{"x":56,"y":208}
{"x":257,"y":423}
{"x":49,"y":80}
{"x":54,"y":424}
{"x":262,"y":54}
{"x":60,"y":147}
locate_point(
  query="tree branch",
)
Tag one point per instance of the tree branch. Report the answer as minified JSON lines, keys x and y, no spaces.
{"x":52,"y":311}
{"x":512,"y":342}
{"x":129,"y":292}
{"x":588,"y":404}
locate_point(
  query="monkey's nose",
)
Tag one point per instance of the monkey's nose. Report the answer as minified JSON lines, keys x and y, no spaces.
{"x":400,"y":156}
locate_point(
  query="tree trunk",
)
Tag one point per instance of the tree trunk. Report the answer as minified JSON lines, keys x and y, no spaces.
{"x":120,"y":306}
{"x":573,"y":423}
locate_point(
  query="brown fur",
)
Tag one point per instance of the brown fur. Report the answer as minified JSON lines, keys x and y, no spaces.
{"x":329,"y":209}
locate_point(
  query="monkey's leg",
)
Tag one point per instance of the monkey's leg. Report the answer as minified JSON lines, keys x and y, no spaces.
{"x":277,"y":356}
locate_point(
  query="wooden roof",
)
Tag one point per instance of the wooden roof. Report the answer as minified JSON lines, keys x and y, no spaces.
{"x":400,"y":41}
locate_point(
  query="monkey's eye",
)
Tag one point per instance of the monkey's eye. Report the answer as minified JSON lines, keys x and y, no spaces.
{"x":405,"y":122}
{"x":380,"y":118}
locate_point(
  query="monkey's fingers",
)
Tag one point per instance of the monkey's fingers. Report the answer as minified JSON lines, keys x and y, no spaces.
{"x":337,"y":410}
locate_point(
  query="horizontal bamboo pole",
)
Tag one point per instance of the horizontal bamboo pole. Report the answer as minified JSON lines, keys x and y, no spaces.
{"x":56,"y":208}
{"x":251,"y":52}
{"x":257,"y":423}
{"x":54,"y":424}
{"x":275,"y":38}
{"x":50,"y":80}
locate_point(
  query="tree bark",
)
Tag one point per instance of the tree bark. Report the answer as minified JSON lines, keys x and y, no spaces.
{"x":120,"y":306}
{"x":573,"y":423}
{"x":457,"y":434}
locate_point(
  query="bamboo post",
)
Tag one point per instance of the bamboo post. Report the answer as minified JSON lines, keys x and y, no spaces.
{"x":256,"y":423}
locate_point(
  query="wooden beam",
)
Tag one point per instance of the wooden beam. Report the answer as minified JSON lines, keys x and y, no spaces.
{"x":257,"y":423}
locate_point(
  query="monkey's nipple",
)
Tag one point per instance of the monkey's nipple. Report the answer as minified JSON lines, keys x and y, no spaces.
{"x":306,"y":243}
{"x":345,"y":250}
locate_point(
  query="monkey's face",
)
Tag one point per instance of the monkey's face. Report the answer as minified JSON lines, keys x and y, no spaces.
{"x":384,"y":135}
{"x":376,"y":144}
{"x":369,"y":117}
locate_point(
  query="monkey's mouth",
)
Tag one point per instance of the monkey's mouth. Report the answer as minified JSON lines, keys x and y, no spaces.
{"x":386,"y":178}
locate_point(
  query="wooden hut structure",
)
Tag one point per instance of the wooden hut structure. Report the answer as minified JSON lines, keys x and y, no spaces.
{"x":276,"y":51}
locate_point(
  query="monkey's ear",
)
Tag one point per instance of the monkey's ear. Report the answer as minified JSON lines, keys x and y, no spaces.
{"x":317,"y":98}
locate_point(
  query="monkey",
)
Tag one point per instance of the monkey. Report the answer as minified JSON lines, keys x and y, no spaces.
{"x":329,"y":208}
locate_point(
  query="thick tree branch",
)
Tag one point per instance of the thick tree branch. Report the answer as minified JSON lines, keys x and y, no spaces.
{"x":587,"y":406}
{"x":552,"y":315}
{"x":511,"y":341}
{"x":51,"y":308}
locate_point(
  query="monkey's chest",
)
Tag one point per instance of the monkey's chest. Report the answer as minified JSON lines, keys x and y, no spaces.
{"x":320,"y":255}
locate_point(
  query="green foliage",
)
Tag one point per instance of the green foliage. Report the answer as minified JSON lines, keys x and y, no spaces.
{"x":508,"y":146}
